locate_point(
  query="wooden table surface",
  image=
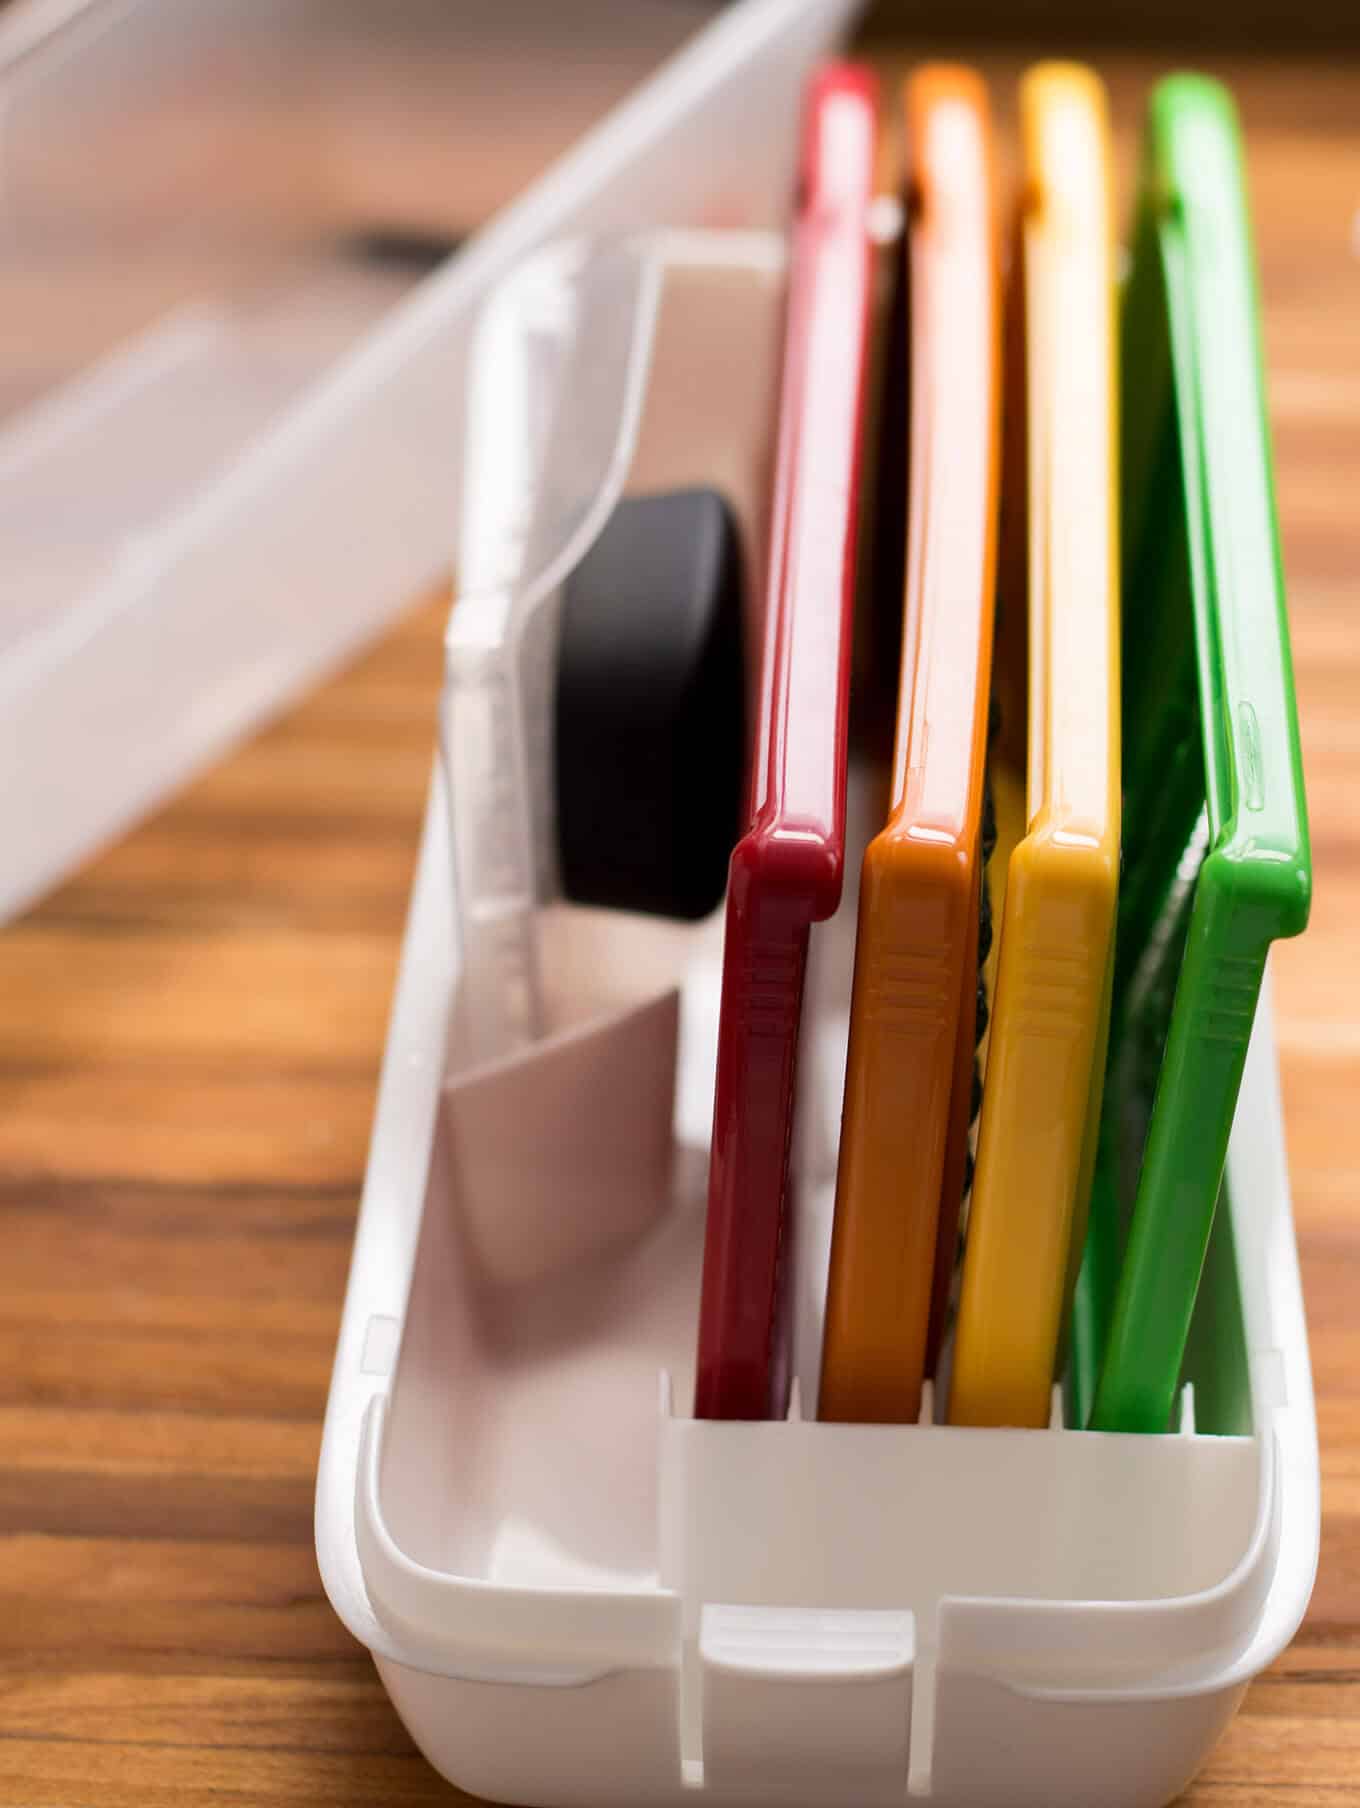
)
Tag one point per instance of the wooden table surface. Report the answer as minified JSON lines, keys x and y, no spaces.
{"x":191,"y":1034}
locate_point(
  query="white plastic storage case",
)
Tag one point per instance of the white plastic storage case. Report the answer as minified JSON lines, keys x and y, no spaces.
{"x":575,"y":1592}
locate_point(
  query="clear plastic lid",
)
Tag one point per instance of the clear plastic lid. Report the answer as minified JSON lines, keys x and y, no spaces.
{"x":229,"y":449}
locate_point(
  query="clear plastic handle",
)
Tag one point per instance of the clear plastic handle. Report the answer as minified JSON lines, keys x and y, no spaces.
{"x":559,"y":369}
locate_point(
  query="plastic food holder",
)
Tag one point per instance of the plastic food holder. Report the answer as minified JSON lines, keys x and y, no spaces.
{"x":575,"y":1592}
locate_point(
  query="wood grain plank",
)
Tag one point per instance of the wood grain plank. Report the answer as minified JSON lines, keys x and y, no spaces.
{"x":54,"y":1773}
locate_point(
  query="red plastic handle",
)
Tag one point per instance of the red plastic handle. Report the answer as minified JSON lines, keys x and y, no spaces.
{"x":787,"y":869}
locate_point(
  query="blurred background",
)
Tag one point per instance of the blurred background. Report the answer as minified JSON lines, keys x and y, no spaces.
{"x":1260,"y":26}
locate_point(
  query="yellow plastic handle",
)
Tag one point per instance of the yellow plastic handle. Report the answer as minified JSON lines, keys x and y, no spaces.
{"x":1045,"y":1059}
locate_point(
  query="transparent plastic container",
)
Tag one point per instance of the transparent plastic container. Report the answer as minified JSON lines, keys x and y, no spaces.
{"x":587,"y":346}
{"x":575,"y":1592}
{"x":231,"y":401}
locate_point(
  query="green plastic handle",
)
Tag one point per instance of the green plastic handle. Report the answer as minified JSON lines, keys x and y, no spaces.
{"x":1205,"y":624}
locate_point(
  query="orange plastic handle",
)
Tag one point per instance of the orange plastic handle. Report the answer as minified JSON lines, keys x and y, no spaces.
{"x":912,"y":1027}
